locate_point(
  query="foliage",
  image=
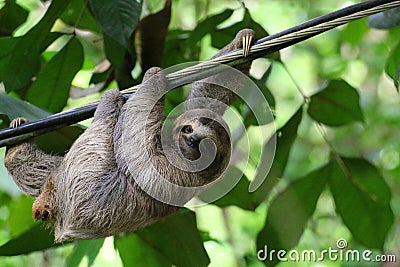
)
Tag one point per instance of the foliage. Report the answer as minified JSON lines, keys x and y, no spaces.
{"x":344,"y":174}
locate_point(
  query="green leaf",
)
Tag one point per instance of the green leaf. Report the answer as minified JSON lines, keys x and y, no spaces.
{"x":258,"y":104}
{"x":20,"y":219}
{"x":136,"y":252}
{"x":354,"y":32}
{"x":265,"y":178}
{"x":7,"y":45}
{"x":290,"y":211}
{"x":58,"y":141}
{"x":238,"y":196}
{"x":12,"y":15}
{"x":173,"y":98}
{"x":115,"y":52}
{"x":368,"y":179}
{"x":78,"y":12}
{"x":337,"y":104}
{"x":386,"y":19}
{"x":99,"y":77}
{"x":35,"y":239}
{"x":176,"y":49}
{"x":117,"y":18}
{"x":24,"y":61}
{"x":150,"y":37}
{"x":22,"y":64}
{"x":5,"y":198}
{"x":51,"y":88}
{"x":393,"y":65}
{"x":362,"y":199}
{"x":15,"y":108}
{"x":122,"y":61}
{"x":176,"y":238}
{"x":207,"y":26}
{"x":84,"y":248}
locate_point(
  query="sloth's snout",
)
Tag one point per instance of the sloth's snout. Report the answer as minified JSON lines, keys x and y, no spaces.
{"x":193,"y":140}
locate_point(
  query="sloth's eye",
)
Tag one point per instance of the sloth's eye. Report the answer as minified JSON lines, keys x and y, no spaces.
{"x":187,"y":129}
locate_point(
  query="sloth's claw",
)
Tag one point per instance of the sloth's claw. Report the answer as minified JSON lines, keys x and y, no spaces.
{"x":247,"y":41}
{"x":17,"y":122}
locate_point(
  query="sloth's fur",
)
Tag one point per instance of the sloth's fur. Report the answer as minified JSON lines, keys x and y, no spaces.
{"x":96,"y":189}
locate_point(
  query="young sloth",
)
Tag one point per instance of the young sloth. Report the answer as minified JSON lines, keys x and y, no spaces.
{"x":106,"y":183}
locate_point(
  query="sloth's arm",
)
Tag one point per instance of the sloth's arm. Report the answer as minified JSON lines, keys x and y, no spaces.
{"x":92,"y":154}
{"x":202,"y":92}
{"x":137,"y":134}
{"x":29,"y":166}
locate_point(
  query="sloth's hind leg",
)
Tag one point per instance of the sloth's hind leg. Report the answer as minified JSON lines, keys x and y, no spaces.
{"x":29,"y":166}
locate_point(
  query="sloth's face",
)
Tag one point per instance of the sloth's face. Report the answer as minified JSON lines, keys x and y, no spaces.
{"x":197,"y":134}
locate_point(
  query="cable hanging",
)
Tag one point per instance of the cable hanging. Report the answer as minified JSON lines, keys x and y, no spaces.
{"x":260,"y":48}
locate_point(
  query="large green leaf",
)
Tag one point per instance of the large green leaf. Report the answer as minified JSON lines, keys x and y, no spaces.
{"x":20,"y":218}
{"x":207,"y":26}
{"x":117,"y":18}
{"x":134,"y":251}
{"x":261,"y":107}
{"x":150,"y":37}
{"x":122,"y":61}
{"x":7,"y":45}
{"x":238,"y":196}
{"x":77,"y":14}
{"x":51,"y":88}
{"x":290,"y":211}
{"x":58,"y":141}
{"x":15,"y":108}
{"x":337,"y":104}
{"x":393,"y":65}
{"x":12,"y":15}
{"x":84,"y":248}
{"x":24,"y":60}
{"x":175,"y":238}
{"x":354,"y":32}
{"x":362,"y":199}
{"x":266,"y":178}
{"x":176,"y":49}
{"x":35,"y":239}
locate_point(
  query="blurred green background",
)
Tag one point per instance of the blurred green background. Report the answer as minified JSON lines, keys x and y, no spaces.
{"x":350,"y":117}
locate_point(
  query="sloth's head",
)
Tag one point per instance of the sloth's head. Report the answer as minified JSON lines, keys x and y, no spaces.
{"x":203,"y":135}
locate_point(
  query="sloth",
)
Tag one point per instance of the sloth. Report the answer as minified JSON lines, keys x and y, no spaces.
{"x":116,"y":175}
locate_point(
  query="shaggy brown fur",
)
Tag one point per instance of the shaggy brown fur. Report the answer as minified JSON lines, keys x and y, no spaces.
{"x":105,"y":183}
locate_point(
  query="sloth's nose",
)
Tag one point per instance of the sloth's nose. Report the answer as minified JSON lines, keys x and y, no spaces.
{"x":194,"y":138}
